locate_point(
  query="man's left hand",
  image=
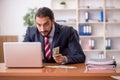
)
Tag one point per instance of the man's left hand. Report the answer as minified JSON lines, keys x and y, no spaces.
{"x":59,"y":58}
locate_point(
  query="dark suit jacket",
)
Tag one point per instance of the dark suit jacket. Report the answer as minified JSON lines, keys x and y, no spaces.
{"x":64,"y":37}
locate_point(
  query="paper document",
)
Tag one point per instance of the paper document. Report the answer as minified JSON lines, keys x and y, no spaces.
{"x":61,"y":66}
{"x":101,"y":61}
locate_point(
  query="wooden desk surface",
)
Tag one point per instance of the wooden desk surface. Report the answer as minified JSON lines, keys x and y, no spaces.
{"x":80,"y":70}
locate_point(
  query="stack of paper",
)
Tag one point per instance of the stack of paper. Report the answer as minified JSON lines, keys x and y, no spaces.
{"x":101,"y":64}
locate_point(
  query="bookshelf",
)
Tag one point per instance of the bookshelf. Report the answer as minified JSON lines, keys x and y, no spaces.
{"x":103,"y":18}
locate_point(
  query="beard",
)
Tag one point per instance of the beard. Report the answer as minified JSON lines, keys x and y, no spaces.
{"x":45,"y":33}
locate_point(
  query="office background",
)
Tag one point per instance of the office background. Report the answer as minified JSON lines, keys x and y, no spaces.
{"x":11,"y":18}
{"x":12,"y":12}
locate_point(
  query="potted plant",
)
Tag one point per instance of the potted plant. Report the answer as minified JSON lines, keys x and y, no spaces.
{"x":29,"y":18}
{"x":63,"y":4}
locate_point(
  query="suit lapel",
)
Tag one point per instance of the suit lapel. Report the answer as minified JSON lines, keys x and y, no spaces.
{"x":56,"y":34}
{"x":41,"y":39}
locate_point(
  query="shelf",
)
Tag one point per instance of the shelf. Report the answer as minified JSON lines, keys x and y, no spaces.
{"x":103,"y":21}
{"x":113,"y":36}
{"x":89,"y":9}
{"x":90,"y":22}
{"x":64,"y":9}
{"x":91,"y":36}
{"x":112,"y":23}
{"x":67,"y":23}
{"x":93,"y":50}
{"x":113,"y":50}
{"x":110,"y":9}
{"x":96,"y":50}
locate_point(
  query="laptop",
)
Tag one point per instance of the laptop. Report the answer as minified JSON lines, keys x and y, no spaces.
{"x":23,"y":54}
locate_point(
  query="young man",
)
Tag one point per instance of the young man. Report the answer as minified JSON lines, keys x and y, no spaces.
{"x":66,"y":38}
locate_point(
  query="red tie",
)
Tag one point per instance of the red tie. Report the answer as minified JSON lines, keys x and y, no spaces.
{"x":47,"y":48}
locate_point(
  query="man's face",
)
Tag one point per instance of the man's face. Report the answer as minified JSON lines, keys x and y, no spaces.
{"x":44,"y":25}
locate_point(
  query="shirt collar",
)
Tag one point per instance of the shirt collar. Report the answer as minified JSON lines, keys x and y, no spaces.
{"x":52,"y":31}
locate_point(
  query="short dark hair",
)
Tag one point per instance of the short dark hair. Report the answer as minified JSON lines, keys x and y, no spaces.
{"x":44,"y":12}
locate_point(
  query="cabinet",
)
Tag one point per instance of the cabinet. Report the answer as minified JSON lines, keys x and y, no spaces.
{"x":6,"y":39}
{"x":103,"y":18}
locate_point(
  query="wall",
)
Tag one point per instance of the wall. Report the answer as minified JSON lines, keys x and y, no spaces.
{"x":0,"y":15}
{"x":12,"y":12}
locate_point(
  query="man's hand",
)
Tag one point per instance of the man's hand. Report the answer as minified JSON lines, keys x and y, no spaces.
{"x":59,"y":58}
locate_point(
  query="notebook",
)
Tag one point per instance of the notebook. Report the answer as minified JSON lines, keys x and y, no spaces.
{"x":23,"y":54}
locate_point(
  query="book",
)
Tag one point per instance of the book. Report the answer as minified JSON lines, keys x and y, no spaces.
{"x":101,"y":61}
{"x":101,"y":16}
{"x":102,"y":68}
{"x":101,"y":64}
{"x":81,"y":30}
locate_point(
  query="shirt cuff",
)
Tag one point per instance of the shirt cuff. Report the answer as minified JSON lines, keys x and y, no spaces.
{"x":65,"y":60}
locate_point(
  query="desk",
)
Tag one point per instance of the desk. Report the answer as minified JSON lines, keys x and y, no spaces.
{"x":78,"y":73}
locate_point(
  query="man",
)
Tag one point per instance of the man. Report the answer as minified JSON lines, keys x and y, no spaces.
{"x":66,"y":38}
